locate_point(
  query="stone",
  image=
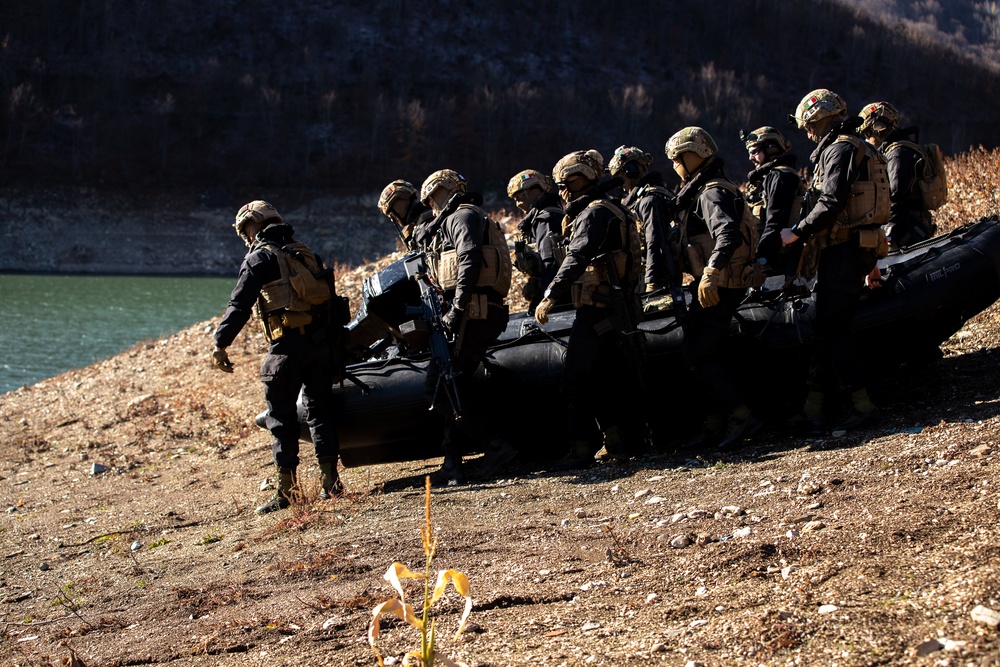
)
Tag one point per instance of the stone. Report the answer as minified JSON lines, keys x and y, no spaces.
{"x":986,"y":615}
{"x":827,"y":608}
{"x":813,"y":526}
{"x":742,"y":532}
{"x":928,"y":647}
{"x":680,"y":541}
{"x":787,"y":571}
{"x":97,"y":469}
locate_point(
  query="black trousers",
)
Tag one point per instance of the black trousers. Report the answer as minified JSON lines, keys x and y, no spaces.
{"x":294,"y":363}
{"x":473,"y":429}
{"x":706,"y":339}
{"x":840,"y":280}
{"x":600,"y":382}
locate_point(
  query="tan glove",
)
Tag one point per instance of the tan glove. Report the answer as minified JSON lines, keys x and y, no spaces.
{"x":708,"y":288}
{"x":542,"y":310}
{"x":651,"y":287}
{"x":221,"y":360}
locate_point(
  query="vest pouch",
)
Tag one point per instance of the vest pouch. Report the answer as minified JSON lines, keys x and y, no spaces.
{"x":445,"y":270}
{"x":933,"y":193}
{"x":874,"y":239}
{"x":277,"y":294}
{"x":698,"y":250}
{"x":496,"y":272}
{"x":294,"y":320}
{"x":582,"y":291}
{"x":558,"y":253}
{"x":476,"y":310}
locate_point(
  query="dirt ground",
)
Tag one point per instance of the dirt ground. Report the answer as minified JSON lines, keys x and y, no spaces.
{"x":876,"y":548}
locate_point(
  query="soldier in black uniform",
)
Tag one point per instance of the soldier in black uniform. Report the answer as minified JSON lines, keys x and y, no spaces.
{"x":720,"y":237}
{"x":476,"y":316}
{"x":909,"y":219}
{"x":847,"y":256}
{"x":400,"y":203}
{"x":601,"y":271}
{"x":774,"y":190}
{"x":299,"y":355}
{"x":541,"y":231}
{"x":647,"y":197}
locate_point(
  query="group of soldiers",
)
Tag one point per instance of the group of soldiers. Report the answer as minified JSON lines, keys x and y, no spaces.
{"x":596,"y":235}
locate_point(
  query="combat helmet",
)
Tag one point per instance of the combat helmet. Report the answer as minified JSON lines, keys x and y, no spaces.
{"x":879,"y":117}
{"x":691,"y":139}
{"x":816,"y":106}
{"x":763,"y":136}
{"x":448,"y":179}
{"x":398,"y":189}
{"x":529,"y":178}
{"x":588,"y":164}
{"x":256,"y":211}
{"x":626,"y":155}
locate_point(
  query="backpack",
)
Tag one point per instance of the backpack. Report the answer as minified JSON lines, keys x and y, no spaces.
{"x":932,"y":179}
{"x":590,"y":288}
{"x":759,"y":205}
{"x":301,"y":285}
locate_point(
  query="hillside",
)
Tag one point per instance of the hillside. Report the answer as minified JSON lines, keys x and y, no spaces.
{"x":129,"y":535}
{"x":225,"y":97}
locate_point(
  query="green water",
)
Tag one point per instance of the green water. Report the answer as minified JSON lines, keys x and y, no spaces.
{"x":55,"y":323}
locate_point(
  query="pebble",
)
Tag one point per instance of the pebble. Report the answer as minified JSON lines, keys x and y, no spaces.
{"x":590,"y":625}
{"x":701,"y":591}
{"x":813,"y":526}
{"x":580,"y":513}
{"x":658,"y":648}
{"x":136,"y":545}
{"x":839,"y":433}
{"x":43,"y":566}
{"x":265,"y":485}
{"x":809,"y":488}
{"x":742,"y":532}
{"x":827,"y":609}
{"x":680,"y":541}
{"x":654,"y":500}
{"x":928,"y":647}
{"x":640,"y":493}
{"x":787,"y":571}
{"x":651,"y":598}
{"x":792,"y":533}
{"x":986,"y":615}
{"x":692,"y":663}
{"x":980,"y":451}
{"x":564,"y":522}
{"x":698,"y":622}
{"x":729,"y":511}
{"x":97,"y":469}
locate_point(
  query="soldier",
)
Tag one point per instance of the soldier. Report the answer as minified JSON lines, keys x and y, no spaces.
{"x":774,"y":191}
{"x":847,"y":253}
{"x":720,"y":237}
{"x":652,"y":202}
{"x":299,"y":332}
{"x":475,"y":290}
{"x":399,"y":202}
{"x":909,"y":219}
{"x":541,"y":229}
{"x":601,"y":271}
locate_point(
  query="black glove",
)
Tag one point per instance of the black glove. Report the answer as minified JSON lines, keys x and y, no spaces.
{"x":453,"y":319}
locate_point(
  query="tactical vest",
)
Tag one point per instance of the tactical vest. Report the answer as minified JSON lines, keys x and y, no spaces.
{"x":528,"y":259}
{"x":759,"y":204}
{"x":287,"y":301}
{"x":932,"y":179}
{"x":868,"y":205}
{"x":496,"y":270}
{"x":593,"y":288}
{"x":647,"y":190}
{"x":741,"y":271}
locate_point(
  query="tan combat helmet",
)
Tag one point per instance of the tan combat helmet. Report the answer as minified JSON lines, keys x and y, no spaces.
{"x":625,"y":155}
{"x":256,"y":211}
{"x":527,"y":179}
{"x":818,"y":105}
{"x":879,"y":118}
{"x":588,"y":164}
{"x":762,"y":136}
{"x":691,"y":140}
{"x":449,"y":179}
{"x":398,"y":189}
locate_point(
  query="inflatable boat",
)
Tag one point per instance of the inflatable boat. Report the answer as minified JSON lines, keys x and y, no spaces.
{"x":928,"y":291}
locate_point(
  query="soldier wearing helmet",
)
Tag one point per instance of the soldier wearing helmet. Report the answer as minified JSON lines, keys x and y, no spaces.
{"x":400,"y":202}
{"x":600,"y":380}
{"x":774,"y":190}
{"x":540,"y":228}
{"x":720,"y":237}
{"x":650,"y":200}
{"x":476,"y":315}
{"x":299,"y":352}
{"x":841,"y":158}
{"x":909,"y":219}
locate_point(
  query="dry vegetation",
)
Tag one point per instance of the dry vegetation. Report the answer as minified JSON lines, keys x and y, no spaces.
{"x":877,"y":549}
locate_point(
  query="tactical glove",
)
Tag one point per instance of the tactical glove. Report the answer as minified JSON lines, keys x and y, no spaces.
{"x":652,"y":287}
{"x":452,"y":319}
{"x":221,"y":360}
{"x":708,"y":288}
{"x":542,"y":310}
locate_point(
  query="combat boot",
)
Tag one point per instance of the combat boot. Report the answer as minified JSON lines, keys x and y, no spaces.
{"x":864,"y":412}
{"x":499,"y":453}
{"x":281,"y":499}
{"x":451,"y":472}
{"x":809,"y":420}
{"x":329,"y":479}
{"x":742,"y":424}
{"x":580,"y":455}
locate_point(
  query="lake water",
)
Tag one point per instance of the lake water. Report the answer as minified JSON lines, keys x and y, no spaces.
{"x":55,"y":323}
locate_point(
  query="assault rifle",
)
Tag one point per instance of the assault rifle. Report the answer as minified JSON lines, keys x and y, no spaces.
{"x":431,"y":323}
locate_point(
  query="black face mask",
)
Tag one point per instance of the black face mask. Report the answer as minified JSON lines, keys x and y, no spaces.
{"x":631,"y":170}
